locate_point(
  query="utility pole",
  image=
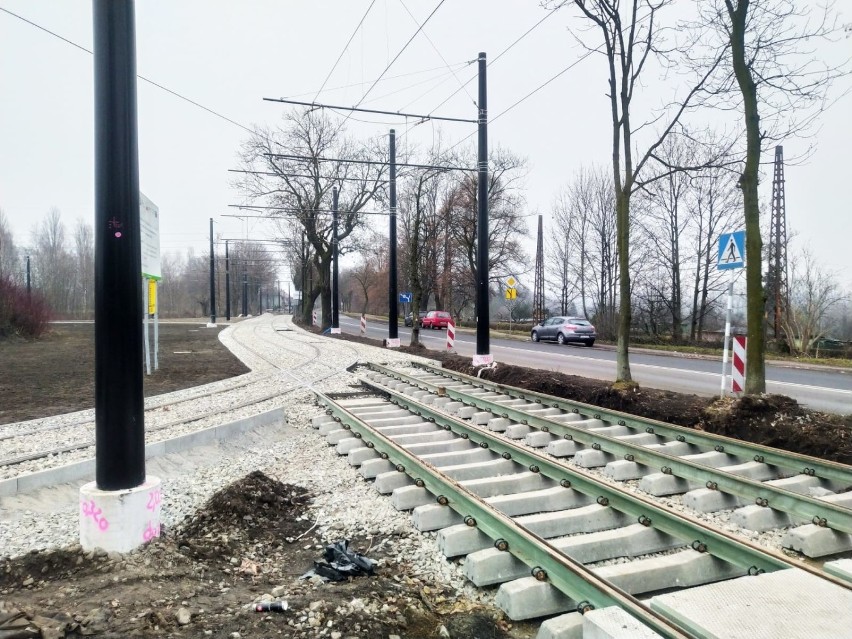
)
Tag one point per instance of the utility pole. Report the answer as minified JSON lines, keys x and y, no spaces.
{"x":778,"y":292}
{"x":278,"y":282}
{"x":212,"y":278}
{"x":538,"y":293}
{"x":335,"y":283}
{"x":393,"y":291}
{"x":245,"y":293}
{"x":119,"y":404}
{"x":289,"y":299}
{"x":483,"y":356}
{"x":29,"y":286}
{"x":227,"y":283}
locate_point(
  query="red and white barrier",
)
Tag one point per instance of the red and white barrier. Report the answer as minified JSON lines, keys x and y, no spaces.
{"x":314,"y":318}
{"x":363,"y":325}
{"x":738,"y":364}
{"x":451,"y":335}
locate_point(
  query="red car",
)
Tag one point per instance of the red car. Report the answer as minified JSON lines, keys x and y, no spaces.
{"x":436,"y":319}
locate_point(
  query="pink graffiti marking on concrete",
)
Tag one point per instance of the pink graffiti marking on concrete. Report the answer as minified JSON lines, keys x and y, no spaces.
{"x":151,"y":532}
{"x":91,"y":510}
{"x":155,"y":497}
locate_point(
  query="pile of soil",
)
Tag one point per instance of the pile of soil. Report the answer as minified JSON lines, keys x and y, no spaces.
{"x":769,"y":420}
{"x":253,"y":538}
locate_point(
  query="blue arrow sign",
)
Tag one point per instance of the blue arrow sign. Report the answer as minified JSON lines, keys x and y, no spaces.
{"x":731,"y":250}
{"x":405,"y":297}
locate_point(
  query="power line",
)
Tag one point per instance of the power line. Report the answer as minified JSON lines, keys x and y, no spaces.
{"x":346,"y":46}
{"x":531,"y":93}
{"x":309,"y":177}
{"x":401,"y":51}
{"x":319,"y":105}
{"x":504,"y":51}
{"x":141,"y":77}
{"x":429,"y":40}
{"x":312,"y":158}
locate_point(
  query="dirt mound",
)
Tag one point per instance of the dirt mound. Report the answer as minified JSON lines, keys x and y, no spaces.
{"x":780,"y":422}
{"x":256,"y":508}
{"x":768,"y":420}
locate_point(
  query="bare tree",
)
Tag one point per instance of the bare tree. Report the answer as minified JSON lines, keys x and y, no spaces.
{"x":295,"y":168}
{"x":631,"y":40}
{"x":814,"y":293}
{"x":9,"y":266}
{"x":782,"y":87}
{"x":562,"y":245}
{"x":506,"y":224}
{"x":84,"y":246}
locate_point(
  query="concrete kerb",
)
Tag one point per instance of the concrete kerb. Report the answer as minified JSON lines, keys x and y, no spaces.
{"x":85,"y":469}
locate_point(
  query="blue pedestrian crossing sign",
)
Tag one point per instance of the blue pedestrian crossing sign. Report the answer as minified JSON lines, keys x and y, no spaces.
{"x":731,"y":250}
{"x":405,"y":297}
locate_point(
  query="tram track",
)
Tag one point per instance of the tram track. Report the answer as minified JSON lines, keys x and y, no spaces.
{"x":548,"y":532}
{"x":276,"y":368}
{"x":765,"y":489}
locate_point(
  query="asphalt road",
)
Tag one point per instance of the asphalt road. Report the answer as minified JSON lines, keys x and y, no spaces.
{"x":825,"y":390}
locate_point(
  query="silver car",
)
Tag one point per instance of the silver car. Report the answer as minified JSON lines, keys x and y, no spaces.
{"x":564,"y":329}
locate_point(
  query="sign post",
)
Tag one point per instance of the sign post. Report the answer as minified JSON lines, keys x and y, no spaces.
{"x":731,"y":257}
{"x":149,"y":228}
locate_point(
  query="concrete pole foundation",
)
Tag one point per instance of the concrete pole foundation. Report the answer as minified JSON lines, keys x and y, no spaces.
{"x":120,"y":520}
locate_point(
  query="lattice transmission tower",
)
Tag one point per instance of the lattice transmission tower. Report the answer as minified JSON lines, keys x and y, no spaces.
{"x":538,"y":293}
{"x":776,"y":277}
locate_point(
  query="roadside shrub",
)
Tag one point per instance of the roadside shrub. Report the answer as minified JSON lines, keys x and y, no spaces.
{"x":21,"y":314}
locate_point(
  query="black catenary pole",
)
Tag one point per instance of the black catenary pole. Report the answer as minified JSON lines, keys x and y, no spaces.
{"x":393,"y":290}
{"x":279,"y":295}
{"x":335,"y":282}
{"x":29,"y":286}
{"x":227,"y":283}
{"x":245,"y":294}
{"x":212,"y":277}
{"x":119,"y":406}
{"x":482,"y":312}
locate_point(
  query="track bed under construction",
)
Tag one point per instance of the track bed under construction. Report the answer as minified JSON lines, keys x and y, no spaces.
{"x":510,"y":481}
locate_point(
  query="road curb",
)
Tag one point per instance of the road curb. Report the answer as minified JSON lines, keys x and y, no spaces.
{"x":85,"y":469}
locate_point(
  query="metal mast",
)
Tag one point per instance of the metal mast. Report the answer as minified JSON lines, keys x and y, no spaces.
{"x":538,"y":293}
{"x":777,"y":282}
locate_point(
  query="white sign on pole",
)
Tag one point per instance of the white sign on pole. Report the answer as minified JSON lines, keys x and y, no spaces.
{"x":149,"y":226}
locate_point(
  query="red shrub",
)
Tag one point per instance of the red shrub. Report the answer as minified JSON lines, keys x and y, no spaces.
{"x":20,"y":313}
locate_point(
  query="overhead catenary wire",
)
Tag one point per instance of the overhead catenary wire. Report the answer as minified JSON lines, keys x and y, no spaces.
{"x":311,"y":158}
{"x":531,"y":93}
{"x":345,"y":47}
{"x":390,"y":64}
{"x":141,"y":77}
{"x":438,"y":51}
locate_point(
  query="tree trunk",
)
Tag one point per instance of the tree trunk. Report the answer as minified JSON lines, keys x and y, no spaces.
{"x":755,"y":381}
{"x":622,"y":365}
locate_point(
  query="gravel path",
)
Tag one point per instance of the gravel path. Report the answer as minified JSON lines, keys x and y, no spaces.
{"x":345,"y":505}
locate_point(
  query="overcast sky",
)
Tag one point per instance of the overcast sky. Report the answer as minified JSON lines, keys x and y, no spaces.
{"x":227,"y":56}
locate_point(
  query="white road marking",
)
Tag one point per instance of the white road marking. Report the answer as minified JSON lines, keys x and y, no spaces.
{"x":637,"y":365}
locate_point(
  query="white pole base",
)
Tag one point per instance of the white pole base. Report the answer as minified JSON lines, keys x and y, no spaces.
{"x":393,"y":343}
{"x":211,"y":325}
{"x":120,"y":520}
{"x":483,"y":360}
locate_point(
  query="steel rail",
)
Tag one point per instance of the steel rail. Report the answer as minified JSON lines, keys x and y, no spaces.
{"x":804,"y":464}
{"x":547,"y":562}
{"x":819,"y":512}
{"x":726,"y":546}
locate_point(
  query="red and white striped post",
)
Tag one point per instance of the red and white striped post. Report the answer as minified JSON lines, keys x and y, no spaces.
{"x":451,"y":334}
{"x":738,"y":364}
{"x":363,"y":325}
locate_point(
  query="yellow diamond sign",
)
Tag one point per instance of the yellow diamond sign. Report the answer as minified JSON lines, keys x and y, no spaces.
{"x":511,"y":281}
